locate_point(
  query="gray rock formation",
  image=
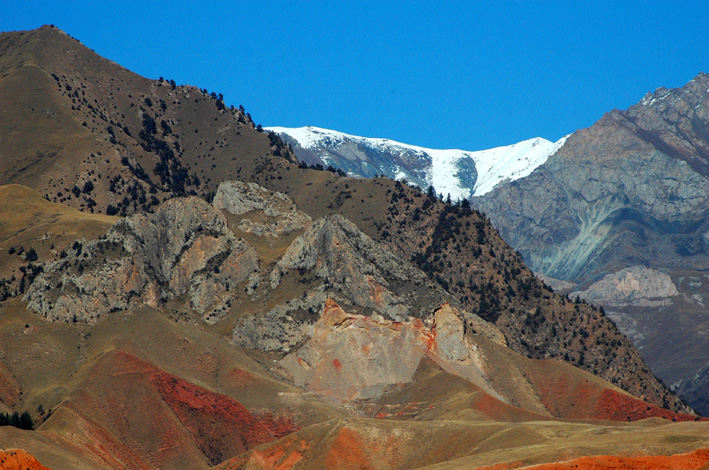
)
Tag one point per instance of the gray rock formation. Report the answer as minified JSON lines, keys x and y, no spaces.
{"x":633,"y":189}
{"x":283,"y":327}
{"x":637,"y":286}
{"x":360,"y":269}
{"x":183,"y":248}
{"x":449,"y":331}
{"x":279,"y":215}
{"x":636,"y":176}
{"x":358,"y":273}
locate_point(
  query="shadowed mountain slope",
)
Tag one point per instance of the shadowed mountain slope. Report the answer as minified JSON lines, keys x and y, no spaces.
{"x":621,"y":212}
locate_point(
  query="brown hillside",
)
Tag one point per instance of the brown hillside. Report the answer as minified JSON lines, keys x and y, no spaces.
{"x":27,"y":222}
{"x":459,"y":249}
{"x":404,"y":444}
{"x":84,"y":131}
{"x":161,"y":388}
{"x":53,"y":84}
{"x":124,"y":156}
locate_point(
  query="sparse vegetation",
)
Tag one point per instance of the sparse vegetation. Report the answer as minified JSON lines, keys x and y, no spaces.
{"x":21,"y":421}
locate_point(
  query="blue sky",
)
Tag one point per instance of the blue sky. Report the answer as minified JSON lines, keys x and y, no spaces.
{"x":455,"y":74}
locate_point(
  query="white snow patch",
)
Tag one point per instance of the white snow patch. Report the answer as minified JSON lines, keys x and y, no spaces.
{"x":493,"y":166}
{"x":512,"y":162}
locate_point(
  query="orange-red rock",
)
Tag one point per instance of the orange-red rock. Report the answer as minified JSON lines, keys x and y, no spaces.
{"x":697,"y":460}
{"x":18,"y":459}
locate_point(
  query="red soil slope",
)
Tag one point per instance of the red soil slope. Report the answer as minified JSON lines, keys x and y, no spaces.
{"x":620,"y":407}
{"x":697,"y":460}
{"x":352,"y":450}
{"x":581,"y":397}
{"x":154,"y":419}
{"x":211,"y":418}
{"x":347,"y":449}
{"x":282,"y":455}
{"x":18,"y":459}
{"x":9,"y":388}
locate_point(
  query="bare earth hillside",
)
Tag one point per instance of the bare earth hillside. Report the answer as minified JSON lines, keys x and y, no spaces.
{"x":262,"y":315}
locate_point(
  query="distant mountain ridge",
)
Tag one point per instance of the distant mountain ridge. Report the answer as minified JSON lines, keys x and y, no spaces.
{"x":621,"y":210}
{"x":460,"y":173}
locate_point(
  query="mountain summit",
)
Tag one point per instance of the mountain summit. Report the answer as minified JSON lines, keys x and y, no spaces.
{"x":460,"y":173}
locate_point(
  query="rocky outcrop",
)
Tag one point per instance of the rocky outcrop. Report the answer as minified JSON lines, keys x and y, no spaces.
{"x":360,"y":269}
{"x":449,"y":333}
{"x":280,"y":215}
{"x":183,"y":248}
{"x":637,"y":286}
{"x":351,"y":357}
{"x":354,"y":270}
{"x":283,"y":327}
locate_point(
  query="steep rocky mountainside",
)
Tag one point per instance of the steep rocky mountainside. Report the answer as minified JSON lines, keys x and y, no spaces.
{"x":621,"y":210}
{"x":639,"y":174}
{"x":460,"y":173}
{"x":459,"y":249}
{"x":295,"y":318}
{"x":90,"y":134}
{"x":488,"y":278}
{"x":315,"y":326}
{"x":183,"y":248}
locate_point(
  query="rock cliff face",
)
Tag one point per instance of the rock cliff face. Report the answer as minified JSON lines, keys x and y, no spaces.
{"x":183,"y":248}
{"x":347,"y":265}
{"x":351,"y":357}
{"x":637,"y":175}
{"x":282,"y":217}
{"x":363,"y":270}
{"x":637,"y":286}
{"x":632,"y":190}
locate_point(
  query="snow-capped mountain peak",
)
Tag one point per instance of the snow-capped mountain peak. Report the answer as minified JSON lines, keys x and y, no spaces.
{"x":460,"y":173}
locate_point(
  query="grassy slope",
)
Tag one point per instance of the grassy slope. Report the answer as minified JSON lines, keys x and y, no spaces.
{"x":464,"y":445}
